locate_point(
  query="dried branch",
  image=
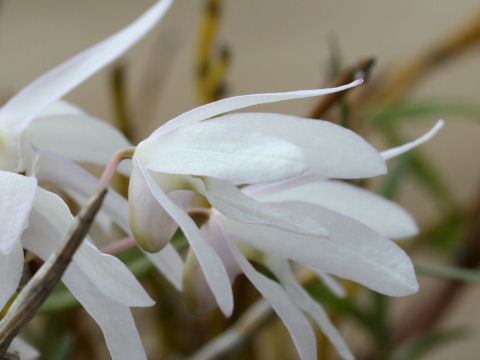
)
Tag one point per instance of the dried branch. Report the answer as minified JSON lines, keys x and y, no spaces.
{"x":361,"y":70}
{"x":47,"y":277}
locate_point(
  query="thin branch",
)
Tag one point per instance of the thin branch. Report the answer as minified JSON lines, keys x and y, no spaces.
{"x":47,"y":277}
{"x":361,"y":70}
{"x":251,"y":321}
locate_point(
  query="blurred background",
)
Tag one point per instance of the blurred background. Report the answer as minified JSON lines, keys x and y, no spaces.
{"x":427,"y":66}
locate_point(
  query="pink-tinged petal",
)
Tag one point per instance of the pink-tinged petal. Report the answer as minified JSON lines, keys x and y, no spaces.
{"x":70,"y":176}
{"x":353,"y":251}
{"x":210,"y":263}
{"x":17,"y":193}
{"x":107,"y":273}
{"x":151,"y":225}
{"x":20,"y":109}
{"x":296,"y":323}
{"x":332,"y":151}
{"x":304,"y":301}
{"x":230,"y":201}
{"x":79,"y":137}
{"x":199,"y":298}
{"x":11,"y":269}
{"x":223,"y":151}
{"x":24,"y":350}
{"x":239,"y":102}
{"x":388,"y":154}
{"x":114,"y":319}
{"x":382,"y":215}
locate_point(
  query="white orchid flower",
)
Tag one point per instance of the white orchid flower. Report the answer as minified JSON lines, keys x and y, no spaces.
{"x":359,"y":223}
{"x":219,"y":154}
{"x":200,"y":152}
{"x":36,"y":128}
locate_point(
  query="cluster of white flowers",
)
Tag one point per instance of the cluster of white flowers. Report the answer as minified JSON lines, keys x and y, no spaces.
{"x":266,"y":178}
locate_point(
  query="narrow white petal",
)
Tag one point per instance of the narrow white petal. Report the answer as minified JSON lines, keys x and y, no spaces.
{"x":108,"y":274}
{"x":114,"y":319}
{"x":57,"y":82}
{"x":239,"y":102}
{"x":210,"y":263}
{"x":332,"y":284}
{"x":354,"y":251}
{"x":169,"y":262}
{"x":382,"y":215}
{"x":297,"y":324}
{"x":222,"y":151}
{"x":388,"y":154}
{"x":67,"y":174}
{"x":198,"y":296}
{"x":79,"y":137}
{"x":302,"y":298}
{"x":17,"y":193}
{"x":332,"y":151}
{"x":24,"y":350}
{"x":230,"y":201}
{"x":11,"y":269}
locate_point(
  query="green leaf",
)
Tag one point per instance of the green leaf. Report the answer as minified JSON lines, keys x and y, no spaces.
{"x":344,"y":306}
{"x":447,"y":236}
{"x":425,"y":343}
{"x":421,"y":109}
{"x":447,"y":272}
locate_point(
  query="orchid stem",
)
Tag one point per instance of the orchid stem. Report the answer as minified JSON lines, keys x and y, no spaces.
{"x":112,"y":166}
{"x":47,"y":277}
{"x":119,"y":246}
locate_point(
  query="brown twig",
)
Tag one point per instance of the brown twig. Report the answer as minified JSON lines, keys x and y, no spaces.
{"x":47,"y":277}
{"x":361,"y":70}
{"x":396,"y":83}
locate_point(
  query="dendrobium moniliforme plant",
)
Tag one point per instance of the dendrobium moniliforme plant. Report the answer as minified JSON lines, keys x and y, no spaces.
{"x":290,"y":210}
{"x":267,"y":190}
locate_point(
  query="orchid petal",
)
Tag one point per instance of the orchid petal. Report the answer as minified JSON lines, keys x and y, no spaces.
{"x":114,"y":319}
{"x":198,"y":296}
{"x":79,"y":137}
{"x":210,"y":263}
{"x":354,"y":251}
{"x":11,"y":269}
{"x":332,"y":284}
{"x":150,"y":223}
{"x":332,"y":151}
{"x":297,"y":324}
{"x":169,"y":262}
{"x":302,"y":298}
{"x":232,"y":202}
{"x":223,"y":151}
{"x":239,"y":102}
{"x":27,"y":103}
{"x":24,"y":350}
{"x":382,"y":215}
{"x":60,"y":170}
{"x":388,"y":154}
{"x":17,"y":193}
{"x":108,"y":274}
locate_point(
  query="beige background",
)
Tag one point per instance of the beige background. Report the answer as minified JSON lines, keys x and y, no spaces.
{"x":277,"y":45}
